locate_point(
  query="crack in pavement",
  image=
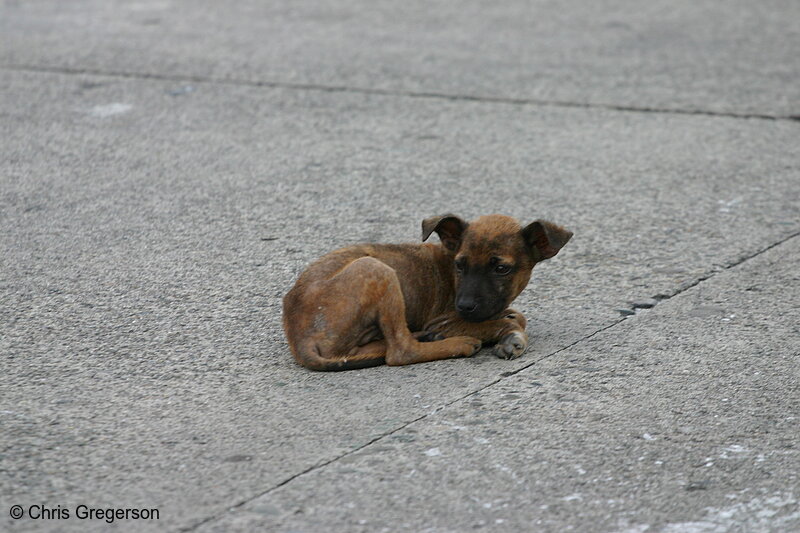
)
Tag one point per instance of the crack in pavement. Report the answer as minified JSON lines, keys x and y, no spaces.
{"x":663,"y":296}
{"x":322,"y":464}
{"x":502,"y":377}
{"x":395,"y":92}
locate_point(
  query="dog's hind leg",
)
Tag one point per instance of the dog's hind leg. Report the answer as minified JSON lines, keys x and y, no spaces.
{"x":336,"y":312}
{"x":402,"y":348}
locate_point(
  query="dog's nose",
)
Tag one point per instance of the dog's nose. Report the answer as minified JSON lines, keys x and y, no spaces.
{"x":466,"y":306}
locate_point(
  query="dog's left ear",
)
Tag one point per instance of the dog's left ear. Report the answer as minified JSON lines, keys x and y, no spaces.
{"x":544,"y":239}
{"x":450,"y":228}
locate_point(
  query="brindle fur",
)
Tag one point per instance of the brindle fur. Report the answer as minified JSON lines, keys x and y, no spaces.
{"x":358,"y":306}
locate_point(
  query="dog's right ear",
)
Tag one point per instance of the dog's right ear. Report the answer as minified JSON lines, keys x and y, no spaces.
{"x":450,"y":228}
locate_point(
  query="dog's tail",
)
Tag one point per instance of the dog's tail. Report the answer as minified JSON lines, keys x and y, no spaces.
{"x":307,"y":354}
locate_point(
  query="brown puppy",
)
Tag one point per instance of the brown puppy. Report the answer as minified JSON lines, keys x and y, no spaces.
{"x":358,"y":306}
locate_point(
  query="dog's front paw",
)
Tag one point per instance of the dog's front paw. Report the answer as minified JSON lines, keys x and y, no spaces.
{"x":512,"y":345}
{"x":515,"y":316}
{"x":464,"y":346}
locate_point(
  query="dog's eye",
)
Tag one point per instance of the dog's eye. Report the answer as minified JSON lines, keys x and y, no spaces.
{"x":502,"y":269}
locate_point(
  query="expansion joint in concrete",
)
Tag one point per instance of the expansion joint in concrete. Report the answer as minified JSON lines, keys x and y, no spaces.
{"x":397,"y":93}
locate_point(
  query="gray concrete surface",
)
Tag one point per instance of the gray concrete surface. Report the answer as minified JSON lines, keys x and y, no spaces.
{"x":732,"y":57}
{"x":168,"y":168}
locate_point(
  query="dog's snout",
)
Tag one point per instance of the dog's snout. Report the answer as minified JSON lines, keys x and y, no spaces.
{"x":466,"y":305}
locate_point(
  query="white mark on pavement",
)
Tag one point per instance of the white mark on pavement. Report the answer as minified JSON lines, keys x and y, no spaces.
{"x":639,"y":528}
{"x":109,"y":110}
{"x":735,"y":448}
{"x":725,"y":206}
{"x":573,"y":497}
{"x":433,"y":452}
{"x":648,"y":436}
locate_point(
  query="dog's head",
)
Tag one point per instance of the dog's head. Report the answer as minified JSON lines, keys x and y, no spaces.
{"x":493,"y":257}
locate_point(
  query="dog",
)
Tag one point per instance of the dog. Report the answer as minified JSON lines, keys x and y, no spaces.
{"x":399,"y":304}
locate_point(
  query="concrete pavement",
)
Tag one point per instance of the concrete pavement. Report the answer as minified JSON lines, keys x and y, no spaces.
{"x":735,"y":57}
{"x":168,"y":168}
